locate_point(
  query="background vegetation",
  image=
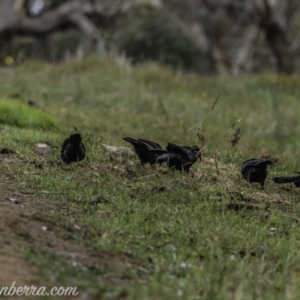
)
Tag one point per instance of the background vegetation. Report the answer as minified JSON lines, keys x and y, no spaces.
{"x":208,"y":37}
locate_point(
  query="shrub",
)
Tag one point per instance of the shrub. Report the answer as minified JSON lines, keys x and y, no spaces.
{"x":152,"y":35}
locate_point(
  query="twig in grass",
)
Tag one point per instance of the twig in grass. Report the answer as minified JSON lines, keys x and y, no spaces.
{"x":27,"y":192}
{"x":234,"y":123}
{"x":237,"y":135}
{"x":216,"y":164}
{"x":54,"y":193}
{"x":201,"y":138}
{"x":216,"y":101}
{"x":202,"y":141}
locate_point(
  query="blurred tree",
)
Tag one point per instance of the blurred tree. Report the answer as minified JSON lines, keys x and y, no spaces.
{"x":238,"y":36}
{"x":229,"y":30}
{"x":151,"y":34}
{"x":6,"y":21}
{"x":274,"y":25}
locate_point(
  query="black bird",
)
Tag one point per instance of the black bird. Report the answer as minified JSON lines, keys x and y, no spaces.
{"x":179,"y":157}
{"x":255,"y":170}
{"x":147,"y":151}
{"x":288,"y":179}
{"x":72,"y":149}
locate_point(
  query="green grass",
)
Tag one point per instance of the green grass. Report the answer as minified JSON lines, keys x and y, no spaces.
{"x":19,"y":115}
{"x":184,"y":243}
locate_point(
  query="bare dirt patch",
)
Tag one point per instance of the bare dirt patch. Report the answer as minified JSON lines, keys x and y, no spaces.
{"x":27,"y":222}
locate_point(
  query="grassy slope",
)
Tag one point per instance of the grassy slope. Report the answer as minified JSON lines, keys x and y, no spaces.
{"x":186,"y":242}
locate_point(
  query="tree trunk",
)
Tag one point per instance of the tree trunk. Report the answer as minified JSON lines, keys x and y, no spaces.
{"x":276,"y":34}
{"x":6,"y":13}
{"x":7,"y":18}
{"x":244,"y":54}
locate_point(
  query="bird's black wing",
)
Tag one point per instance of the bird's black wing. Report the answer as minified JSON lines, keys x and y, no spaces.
{"x":157,"y":151}
{"x":191,"y":148}
{"x":64,"y":150}
{"x":131,"y":141}
{"x":250,"y":163}
{"x":64,"y":145}
{"x":173,"y":148}
{"x":150,"y":144}
{"x":187,"y":153}
{"x":81,"y":153}
{"x":143,"y":143}
{"x":262,"y":163}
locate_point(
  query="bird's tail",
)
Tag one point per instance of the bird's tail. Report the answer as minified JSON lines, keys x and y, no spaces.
{"x":285,"y":179}
{"x":75,"y":138}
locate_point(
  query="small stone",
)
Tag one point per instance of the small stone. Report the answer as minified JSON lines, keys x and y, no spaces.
{"x":43,"y":148}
